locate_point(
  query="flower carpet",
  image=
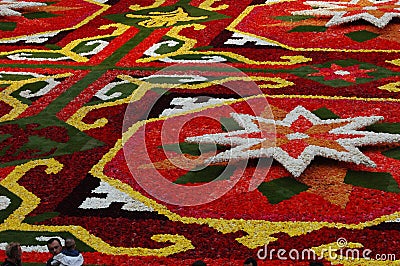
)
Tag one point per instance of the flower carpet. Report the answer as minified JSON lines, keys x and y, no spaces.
{"x":161,"y":132}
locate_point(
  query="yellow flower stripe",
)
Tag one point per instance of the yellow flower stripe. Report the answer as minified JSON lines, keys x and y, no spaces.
{"x":29,"y":200}
{"x":392,"y":87}
{"x":394,"y":62}
{"x":18,"y":107}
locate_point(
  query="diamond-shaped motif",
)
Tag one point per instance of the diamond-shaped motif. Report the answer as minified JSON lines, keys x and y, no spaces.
{"x":361,"y":36}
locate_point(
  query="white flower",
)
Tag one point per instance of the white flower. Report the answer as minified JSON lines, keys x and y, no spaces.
{"x":379,"y":13}
{"x":296,"y":146}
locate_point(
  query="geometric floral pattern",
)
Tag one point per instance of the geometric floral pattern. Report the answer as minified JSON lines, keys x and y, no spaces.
{"x":103,"y":102}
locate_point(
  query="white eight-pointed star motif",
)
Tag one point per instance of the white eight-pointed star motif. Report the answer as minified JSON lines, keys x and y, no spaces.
{"x":379,"y":13}
{"x":297,"y":139}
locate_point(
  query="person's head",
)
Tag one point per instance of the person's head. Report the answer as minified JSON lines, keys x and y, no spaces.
{"x":54,"y":246}
{"x":250,"y":262}
{"x":14,"y":252}
{"x":199,"y":263}
{"x":70,"y":243}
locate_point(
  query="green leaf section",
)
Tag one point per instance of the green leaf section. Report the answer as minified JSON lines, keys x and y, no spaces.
{"x":372,"y":180}
{"x":54,"y":107}
{"x":8,"y":26}
{"x":85,"y":47}
{"x":308,"y":28}
{"x":40,"y":217}
{"x":202,"y":48}
{"x":3,"y":137}
{"x":36,"y":15}
{"x":192,"y":11}
{"x":165,"y":48}
{"x":40,"y":144}
{"x":362,"y":35}
{"x":5,"y":148}
{"x":176,"y":80}
{"x":28,"y":238}
{"x":229,"y":124}
{"x":52,"y":46}
{"x":393,"y":128}
{"x":160,"y":91}
{"x":393,"y":153}
{"x":33,"y":87}
{"x":281,"y":189}
{"x":325,"y":113}
{"x":207,"y":174}
{"x":293,"y":18}
{"x":78,"y":141}
{"x":14,"y":77}
{"x":15,"y":203}
{"x":123,"y":90}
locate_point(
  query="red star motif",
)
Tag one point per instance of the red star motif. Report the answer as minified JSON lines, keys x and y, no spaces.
{"x":349,"y":74}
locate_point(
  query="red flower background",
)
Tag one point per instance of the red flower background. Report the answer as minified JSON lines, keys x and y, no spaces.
{"x":70,"y":71}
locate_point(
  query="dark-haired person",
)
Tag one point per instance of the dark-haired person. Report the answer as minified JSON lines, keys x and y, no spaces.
{"x":13,"y":253}
{"x":69,"y":256}
{"x":199,"y":263}
{"x":55,"y":247}
{"x":250,"y":262}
